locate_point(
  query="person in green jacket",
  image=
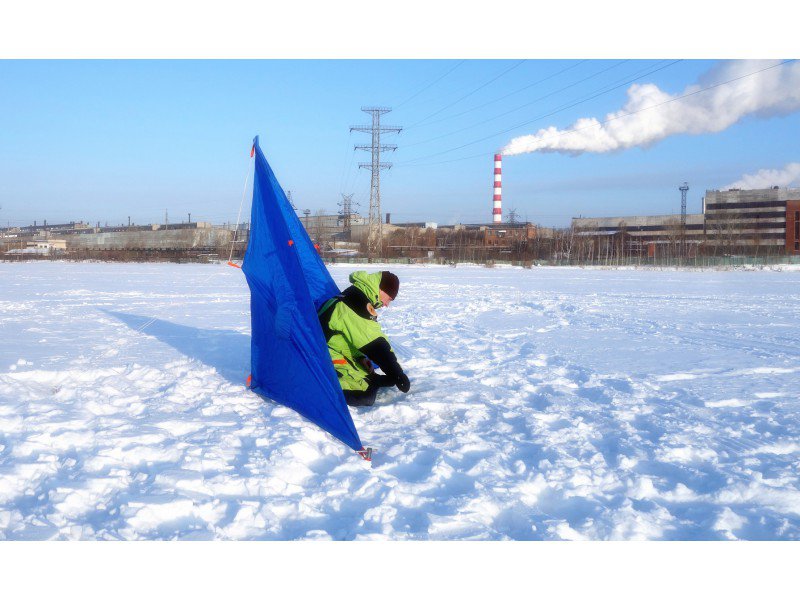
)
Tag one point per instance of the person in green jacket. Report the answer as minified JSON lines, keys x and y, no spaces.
{"x":356,"y":341}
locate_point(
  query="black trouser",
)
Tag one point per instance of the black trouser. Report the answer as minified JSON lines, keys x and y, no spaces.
{"x":367,"y":396}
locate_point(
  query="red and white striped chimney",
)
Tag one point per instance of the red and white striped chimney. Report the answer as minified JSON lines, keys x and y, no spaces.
{"x":497,"y":210}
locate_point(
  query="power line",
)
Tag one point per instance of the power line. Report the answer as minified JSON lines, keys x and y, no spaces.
{"x":467,"y":95}
{"x":539,"y":118}
{"x":508,"y":112}
{"x":600,"y":123}
{"x":361,"y":192}
{"x":469,"y":110}
{"x":346,"y":181}
{"x":625,"y":81}
{"x":346,"y":178}
{"x":351,"y":182}
{"x":344,"y":164}
{"x":435,"y":81}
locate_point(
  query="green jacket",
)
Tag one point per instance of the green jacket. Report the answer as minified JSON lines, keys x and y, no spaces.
{"x":353,"y":333}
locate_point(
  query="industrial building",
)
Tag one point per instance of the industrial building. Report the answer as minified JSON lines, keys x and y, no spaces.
{"x":334,"y":229}
{"x":462,"y":241}
{"x":734,"y":222}
{"x":763,"y":218}
{"x":76,"y":239}
{"x":765,"y":221}
{"x":656,"y":236}
{"x":48,"y":247}
{"x":335,"y":235}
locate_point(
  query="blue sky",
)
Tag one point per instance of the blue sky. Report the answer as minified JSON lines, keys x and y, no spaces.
{"x":105,"y":140}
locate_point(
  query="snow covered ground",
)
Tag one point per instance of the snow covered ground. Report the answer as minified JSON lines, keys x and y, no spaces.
{"x":551,"y":403}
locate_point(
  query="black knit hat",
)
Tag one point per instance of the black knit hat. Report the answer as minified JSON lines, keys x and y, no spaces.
{"x":390,"y":284}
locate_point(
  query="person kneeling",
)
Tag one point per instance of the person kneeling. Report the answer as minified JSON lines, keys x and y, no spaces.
{"x":356,"y":340}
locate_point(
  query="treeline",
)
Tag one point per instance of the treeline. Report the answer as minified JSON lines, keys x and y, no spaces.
{"x":572,"y":246}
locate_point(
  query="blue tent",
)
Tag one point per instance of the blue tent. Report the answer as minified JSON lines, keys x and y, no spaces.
{"x":288,"y":281}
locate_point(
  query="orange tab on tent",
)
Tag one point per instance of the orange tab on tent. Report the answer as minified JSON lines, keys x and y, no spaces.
{"x":340,"y":361}
{"x":233,"y":264}
{"x":249,"y":380}
{"x":291,"y":242}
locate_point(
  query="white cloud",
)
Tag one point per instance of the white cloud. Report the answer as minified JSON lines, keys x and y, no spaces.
{"x":788,"y":176}
{"x":769,"y":93}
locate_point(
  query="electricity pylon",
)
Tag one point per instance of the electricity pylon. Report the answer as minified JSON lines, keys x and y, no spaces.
{"x":375,"y":231}
{"x":346,"y":213}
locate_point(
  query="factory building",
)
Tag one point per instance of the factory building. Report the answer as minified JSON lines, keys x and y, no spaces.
{"x":657,"y":236}
{"x":761,"y":218}
{"x":793,"y":227}
{"x":331,"y":228}
{"x":48,"y":247}
{"x":743,"y":221}
{"x":80,"y":240}
{"x":645,"y":229}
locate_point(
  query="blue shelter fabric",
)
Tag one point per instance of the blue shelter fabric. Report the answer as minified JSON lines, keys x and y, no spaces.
{"x":288,"y":282}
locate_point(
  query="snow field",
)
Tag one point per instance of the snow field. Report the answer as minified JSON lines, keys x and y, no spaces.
{"x":550,"y":403}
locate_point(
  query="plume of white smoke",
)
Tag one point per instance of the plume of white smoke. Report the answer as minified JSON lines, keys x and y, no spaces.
{"x":772,"y":92}
{"x":788,"y":176}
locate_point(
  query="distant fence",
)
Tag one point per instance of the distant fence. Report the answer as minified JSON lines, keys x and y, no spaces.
{"x":215,"y":254}
{"x":694,"y":262}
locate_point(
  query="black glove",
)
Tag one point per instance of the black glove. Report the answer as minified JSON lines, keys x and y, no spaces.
{"x":403,"y":384}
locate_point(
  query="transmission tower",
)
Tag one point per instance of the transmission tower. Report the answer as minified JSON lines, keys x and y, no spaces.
{"x":375,"y":231}
{"x":684,"y":188}
{"x":347,"y":212}
{"x":289,"y":198}
{"x":512,"y":216}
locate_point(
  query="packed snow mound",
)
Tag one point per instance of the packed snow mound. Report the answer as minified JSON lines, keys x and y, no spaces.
{"x":551,"y":403}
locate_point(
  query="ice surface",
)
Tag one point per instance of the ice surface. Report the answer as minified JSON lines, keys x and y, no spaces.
{"x":550,"y":403}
